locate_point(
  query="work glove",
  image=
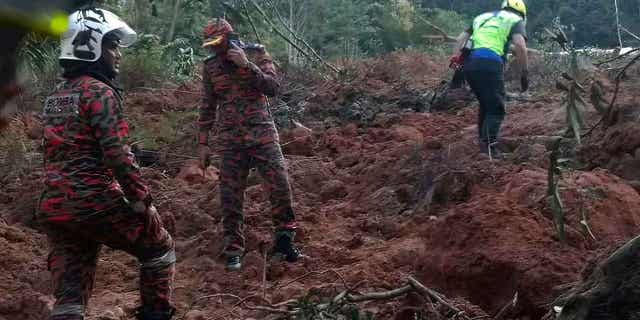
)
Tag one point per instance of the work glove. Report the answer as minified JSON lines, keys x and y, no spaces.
{"x":524,"y":81}
{"x":204,"y":152}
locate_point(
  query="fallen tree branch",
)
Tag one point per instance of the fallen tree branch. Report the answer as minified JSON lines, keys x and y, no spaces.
{"x":380,"y":295}
{"x":444,"y":35}
{"x":617,"y":89}
{"x":293,"y":307}
{"x":609,"y":114}
{"x":618,"y":57}
{"x":434,"y":295}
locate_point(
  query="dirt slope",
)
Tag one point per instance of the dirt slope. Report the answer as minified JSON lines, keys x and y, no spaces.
{"x":402,"y":193}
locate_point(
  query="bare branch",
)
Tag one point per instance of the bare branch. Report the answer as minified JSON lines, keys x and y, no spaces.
{"x":380,"y":295}
{"x":434,"y":295}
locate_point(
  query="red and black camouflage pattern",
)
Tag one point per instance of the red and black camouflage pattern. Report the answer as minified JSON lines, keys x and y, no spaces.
{"x":88,"y":169}
{"x":237,"y":99}
{"x":75,"y":248}
{"x":236,"y":163}
{"x":90,"y":179}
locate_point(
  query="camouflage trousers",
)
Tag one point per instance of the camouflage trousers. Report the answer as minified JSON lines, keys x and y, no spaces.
{"x":236,"y":163}
{"x":75,"y":246}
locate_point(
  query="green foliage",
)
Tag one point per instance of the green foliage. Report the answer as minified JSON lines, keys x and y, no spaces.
{"x":164,"y":129}
{"x":142,"y":63}
{"x":594,"y":20}
{"x":149,"y":62}
{"x":38,"y":63}
{"x":554,"y":202}
{"x":573,"y":102}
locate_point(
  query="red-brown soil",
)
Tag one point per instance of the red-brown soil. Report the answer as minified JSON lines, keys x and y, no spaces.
{"x":361,"y":191}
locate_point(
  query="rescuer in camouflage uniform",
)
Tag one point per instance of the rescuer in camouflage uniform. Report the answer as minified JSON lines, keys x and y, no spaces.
{"x":93,"y":193}
{"x":237,"y":78}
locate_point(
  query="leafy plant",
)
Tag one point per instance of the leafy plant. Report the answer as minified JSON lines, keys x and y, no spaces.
{"x":554,"y":202}
{"x":573,"y":102}
{"x":38,"y":63}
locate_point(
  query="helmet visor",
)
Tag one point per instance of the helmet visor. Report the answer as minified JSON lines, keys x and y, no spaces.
{"x":212,"y":42}
{"x":126,"y":35}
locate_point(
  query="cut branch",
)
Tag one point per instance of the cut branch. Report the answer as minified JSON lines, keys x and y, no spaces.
{"x":443,"y":34}
{"x":380,"y":295}
{"x":289,"y":41}
{"x":433,"y":294}
{"x":610,"y":110}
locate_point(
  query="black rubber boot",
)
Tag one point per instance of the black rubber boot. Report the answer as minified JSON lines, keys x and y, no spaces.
{"x":284,"y":249}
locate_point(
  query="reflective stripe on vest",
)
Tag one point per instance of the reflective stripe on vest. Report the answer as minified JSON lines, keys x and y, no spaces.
{"x":491,"y":30}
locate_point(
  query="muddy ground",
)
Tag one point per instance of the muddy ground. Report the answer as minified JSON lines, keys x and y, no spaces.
{"x":383,"y":190}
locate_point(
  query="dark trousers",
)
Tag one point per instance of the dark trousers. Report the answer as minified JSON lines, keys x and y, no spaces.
{"x":488,"y":86}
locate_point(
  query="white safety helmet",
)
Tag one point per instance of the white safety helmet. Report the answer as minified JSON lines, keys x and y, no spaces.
{"x":87,"y":28}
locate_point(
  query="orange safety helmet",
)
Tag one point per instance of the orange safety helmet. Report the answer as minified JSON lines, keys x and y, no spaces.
{"x":214,"y":32}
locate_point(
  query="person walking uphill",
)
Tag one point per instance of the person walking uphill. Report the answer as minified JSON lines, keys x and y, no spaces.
{"x":93,"y":192}
{"x":485,"y":46}
{"x":237,"y":78}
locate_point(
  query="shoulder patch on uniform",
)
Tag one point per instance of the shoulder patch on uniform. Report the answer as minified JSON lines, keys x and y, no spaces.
{"x":62,"y":105}
{"x":254,"y":46}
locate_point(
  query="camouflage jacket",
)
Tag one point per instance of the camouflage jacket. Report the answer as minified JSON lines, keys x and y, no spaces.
{"x":237,"y":98}
{"x":88,"y":166}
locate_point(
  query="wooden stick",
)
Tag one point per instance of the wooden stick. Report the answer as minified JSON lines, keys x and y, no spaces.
{"x":617,"y":57}
{"x":615,"y":93}
{"x":433,"y":294}
{"x":438,"y":29}
{"x":380,"y":295}
{"x":629,"y":32}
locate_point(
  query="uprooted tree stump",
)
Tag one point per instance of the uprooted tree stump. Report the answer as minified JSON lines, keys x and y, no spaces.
{"x":612,"y":291}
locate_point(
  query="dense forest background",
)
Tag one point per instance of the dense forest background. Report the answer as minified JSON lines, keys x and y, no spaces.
{"x":309,"y":32}
{"x":594,"y":20}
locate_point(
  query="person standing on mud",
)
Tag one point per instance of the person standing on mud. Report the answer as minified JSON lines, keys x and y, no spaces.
{"x":485,"y":46}
{"x":237,"y":79}
{"x":93,"y":192}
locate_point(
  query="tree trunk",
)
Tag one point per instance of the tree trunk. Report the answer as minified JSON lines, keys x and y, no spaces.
{"x":612,"y":291}
{"x":290,"y":51}
{"x":615,"y":3}
{"x":172,"y":30}
{"x":139,"y":13}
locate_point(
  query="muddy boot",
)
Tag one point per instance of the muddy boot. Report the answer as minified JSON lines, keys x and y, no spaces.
{"x":284,"y":250}
{"x":143,"y":313}
{"x":233,"y":263}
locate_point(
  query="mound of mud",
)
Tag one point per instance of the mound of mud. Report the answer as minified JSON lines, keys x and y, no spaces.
{"x":380,"y":194}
